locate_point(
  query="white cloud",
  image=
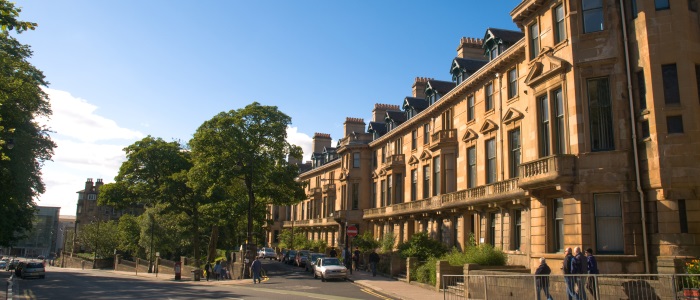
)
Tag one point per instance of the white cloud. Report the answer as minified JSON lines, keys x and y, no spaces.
{"x":302,"y":140}
{"x":88,"y":146}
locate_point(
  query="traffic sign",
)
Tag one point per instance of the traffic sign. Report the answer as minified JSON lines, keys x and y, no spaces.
{"x":352,"y":230}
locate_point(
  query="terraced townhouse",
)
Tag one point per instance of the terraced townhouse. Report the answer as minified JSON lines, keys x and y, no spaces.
{"x":579,"y":130}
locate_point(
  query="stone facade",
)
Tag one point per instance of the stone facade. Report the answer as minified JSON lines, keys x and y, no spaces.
{"x":568,"y":134}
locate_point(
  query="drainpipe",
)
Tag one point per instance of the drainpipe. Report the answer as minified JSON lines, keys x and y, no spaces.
{"x":500,"y":128}
{"x":634,"y":138}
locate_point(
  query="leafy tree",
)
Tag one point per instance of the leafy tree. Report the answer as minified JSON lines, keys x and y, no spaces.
{"x":366,"y":242}
{"x":422,"y":246}
{"x":388,"y":241}
{"x":247,"y":148}
{"x":101,"y":236}
{"x":155,"y":173}
{"x":129,"y":235}
{"x":21,"y":101}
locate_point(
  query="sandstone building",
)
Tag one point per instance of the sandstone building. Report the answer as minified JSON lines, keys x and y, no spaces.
{"x":579,"y":130}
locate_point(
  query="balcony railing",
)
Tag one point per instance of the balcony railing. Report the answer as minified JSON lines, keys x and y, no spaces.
{"x":396,"y":160}
{"x":495,"y":192}
{"x":549,"y":171}
{"x":329,"y":188}
{"x":443,"y":138}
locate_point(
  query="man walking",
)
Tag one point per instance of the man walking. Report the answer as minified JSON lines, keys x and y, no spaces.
{"x":356,"y":259}
{"x":207,"y":269}
{"x":566,"y":269}
{"x":579,"y":265}
{"x":592,"y":269}
{"x":373,"y":261}
{"x":542,"y":279}
{"x":333,"y":253}
{"x":256,"y":268}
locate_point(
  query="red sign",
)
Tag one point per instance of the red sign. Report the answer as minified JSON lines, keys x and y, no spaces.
{"x":352,"y":230}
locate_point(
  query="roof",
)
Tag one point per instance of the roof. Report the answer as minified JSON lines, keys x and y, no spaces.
{"x":396,"y":115}
{"x":468,"y":64}
{"x":416,"y":103}
{"x":505,"y":35}
{"x":377,"y":127}
{"x":442,"y":87}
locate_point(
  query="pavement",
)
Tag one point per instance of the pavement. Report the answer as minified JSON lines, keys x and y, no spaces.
{"x":391,"y":287}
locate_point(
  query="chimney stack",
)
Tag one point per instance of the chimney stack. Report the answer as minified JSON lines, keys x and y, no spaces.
{"x":471,"y":48}
{"x":419,"y":86}
{"x":320,"y":141}
{"x":354,"y":125}
{"x":379,"y":111}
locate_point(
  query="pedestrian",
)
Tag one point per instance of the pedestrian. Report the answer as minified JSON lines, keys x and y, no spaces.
{"x":333,"y":253}
{"x":217,"y":270}
{"x":207,"y":269}
{"x":255,"y":269}
{"x":592,"y":269}
{"x":579,"y":265}
{"x":566,"y":269}
{"x":542,"y":279}
{"x":373,"y":261}
{"x":356,"y":259}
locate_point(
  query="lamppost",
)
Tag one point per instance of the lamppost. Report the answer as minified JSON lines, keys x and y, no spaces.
{"x":150,"y":260}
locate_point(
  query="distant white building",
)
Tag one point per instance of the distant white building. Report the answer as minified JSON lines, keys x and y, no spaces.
{"x":42,"y":238}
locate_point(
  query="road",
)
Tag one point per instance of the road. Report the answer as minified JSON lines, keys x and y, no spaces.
{"x":285,"y":281}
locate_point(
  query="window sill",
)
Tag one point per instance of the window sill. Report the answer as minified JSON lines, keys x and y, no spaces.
{"x":594,"y":35}
{"x":471,"y":122}
{"x":514,"y":99}
{"x":489,"y":112}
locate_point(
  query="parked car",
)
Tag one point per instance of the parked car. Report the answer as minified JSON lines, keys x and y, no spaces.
{"x":289,"y":258}
{"x":309,"y":267}
{"x":330,"y":268}
{"x":32,"y":269}
{"x":268,"y":253}
{"x":302,"y":257}
{"x":3,"y":264}
{"x":281,"y":255}
{"x":12,"y":265}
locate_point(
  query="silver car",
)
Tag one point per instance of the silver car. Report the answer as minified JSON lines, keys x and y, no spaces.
{"x":330,"y":268}
{"x":33,"y":269}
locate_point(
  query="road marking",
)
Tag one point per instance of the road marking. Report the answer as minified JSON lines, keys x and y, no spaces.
{"x":296,"y":293}
{"x":373,"y":293}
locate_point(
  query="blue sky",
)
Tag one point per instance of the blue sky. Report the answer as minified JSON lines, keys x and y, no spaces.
{"x":121,"y":70}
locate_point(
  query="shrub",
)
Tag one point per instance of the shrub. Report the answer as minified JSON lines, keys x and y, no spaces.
{"x":426,"y":272}
{"x":365,"y":242}
{"x":422,"y":247}
{"x":387,"y":242}
{"x":693,"y":268}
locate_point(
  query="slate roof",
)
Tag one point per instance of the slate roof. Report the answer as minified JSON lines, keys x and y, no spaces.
{"x":468,"y":64}
{"x":396,"y":115}
{"x":507,"y":36}
{"x":377,"y":127}
{"x":416,"y":103}
{"x":442,"y":87}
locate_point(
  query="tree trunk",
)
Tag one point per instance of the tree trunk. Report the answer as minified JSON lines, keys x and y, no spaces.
{"x":195,"y":234}
{"x":212,"y":243}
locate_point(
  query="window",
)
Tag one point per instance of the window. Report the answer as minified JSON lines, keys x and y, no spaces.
{"x":608,"y":223}
{"x":514,"y":145}
{"x":674,"y":124}
{"x":558,"y":222}
{"x":544,"y":133}
{"x":559,"y":122}
{"x":374,"y":194}
{"x":426,"y":134}
{"x":662,"y":4}
{"x":447,"y":119}
{"x":426,"y":182}
{"x":398,"y":146}
{"x":92,"y":196}
{"x":374,"y":158}
{"x":276,"y":236}
{"x":356,"y":160}
{"x":383,"y":154}
{"x":491,"y":161}
{"x":693,"y":5}
{"x":641,"y":90}
{"x":436,"y":176}
{"x":389,"y":184}
{"x":645,"y":129}
{"x":559,"y":26}
{"x":634,"y":8}
{"x":471,"y":168}
{"x":534,"y":40}
{"x":382,"y":195}
{"x":470,"y":107}
{"x":592,"y":15}
{"x":488,"y":101}
{"x":492,"y":229}
{"x":600,"y":114}
{"x":517,"y":229}
{"x":682,"y":216}
{"x":512,"y":83}
{"x":414,"y":184}
{"x":398,"y":194}
{"x":670,"y":77}
{"x":355,"y":196}
{"x":493,"y":52}
{"x":697,"y":78}
{"x":414,"y":139}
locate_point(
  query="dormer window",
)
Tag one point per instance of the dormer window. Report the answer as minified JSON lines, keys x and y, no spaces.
{"x":432,"y":96}
{"x":494,"y":51}
{"x":410,"y":112}
{"x":92,"y":197}
{"x":459,"y":77}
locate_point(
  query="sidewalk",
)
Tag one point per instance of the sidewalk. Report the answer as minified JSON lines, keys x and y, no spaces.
{"x":393,"y":287}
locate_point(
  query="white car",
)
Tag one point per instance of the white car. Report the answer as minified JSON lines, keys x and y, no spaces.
{"x":268,"y":253}
{"x":330,"y":268}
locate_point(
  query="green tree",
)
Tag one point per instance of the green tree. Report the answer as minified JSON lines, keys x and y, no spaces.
{"x":155,"y":173}
{"x":21,"y":101}
{"x":420,"y":245}
{"x":366,"y":242}
{"x":247,"y":148}
{"x":101,"y":236}
{"x":129,"y":235}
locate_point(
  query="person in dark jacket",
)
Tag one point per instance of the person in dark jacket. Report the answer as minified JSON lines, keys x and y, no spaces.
{"x":256,"y":269}
{"x":592,"y":269}
{"x":542,"y":279}
{"x":207,"y":268}
{"x":333,"y":253}
{"x":579,"y":265}
{"x":373,"y":261}
{"x":566,"y":269}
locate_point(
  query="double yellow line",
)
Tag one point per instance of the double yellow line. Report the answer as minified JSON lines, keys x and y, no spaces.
{"x":28,"y":294}
{"x":373,"y":293}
